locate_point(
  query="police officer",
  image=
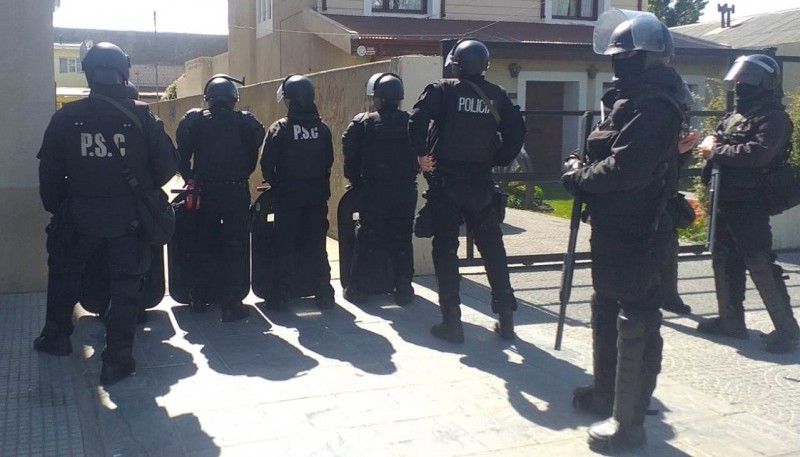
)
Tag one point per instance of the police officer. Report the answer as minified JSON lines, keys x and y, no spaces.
{"x":378,"y":161}
{"x":625,"y":184}
{"x":676,"y":217}
{"x":749,"y":141}
{"x":218,"y":149}
{"x":297,"y":161}
{"x":94,"y":208}
{"x":475,"y":126}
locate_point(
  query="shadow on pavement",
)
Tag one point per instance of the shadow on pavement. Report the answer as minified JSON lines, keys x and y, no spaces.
{"x":334,"y":334}
{"x":242,"y":348}
{"x":129,"y":418}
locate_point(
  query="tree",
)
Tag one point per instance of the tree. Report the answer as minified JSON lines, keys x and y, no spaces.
{"x":677,"y":12}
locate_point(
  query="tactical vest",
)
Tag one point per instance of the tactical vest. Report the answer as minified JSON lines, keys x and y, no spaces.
{"x":386,"y":152}
{"x":638,"y":207}
{"x":468,"y":131}
{"x":735,"y":128}
{"x":304,"y":149}
{"x":221,"y":154}
{"x":93,"y":142}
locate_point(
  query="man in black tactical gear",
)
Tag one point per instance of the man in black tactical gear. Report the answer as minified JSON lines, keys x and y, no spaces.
{"x":297,"y":161}
{"x":675,"y":216}
{"x":378,"y":161}
{"x":218,"y":149}
{"x":475,"y":127}
{"x":93,"y":206}
{"x":625,"y":186}
{"x":749,"y":142}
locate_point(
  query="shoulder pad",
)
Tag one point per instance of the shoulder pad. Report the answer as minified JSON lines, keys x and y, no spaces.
{"x":193,"y":114}
{"x":250,"y":120}
{"x":360,"y":117}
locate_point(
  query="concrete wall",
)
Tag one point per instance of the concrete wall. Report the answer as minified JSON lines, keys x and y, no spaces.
{"x":23,"y":262}
{"x":340,"y":96}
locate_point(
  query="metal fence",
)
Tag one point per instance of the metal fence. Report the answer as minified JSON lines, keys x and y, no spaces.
{"x":531,"y":179}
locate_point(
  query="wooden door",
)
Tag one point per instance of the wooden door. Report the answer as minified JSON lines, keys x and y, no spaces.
{"x":544,"y":133}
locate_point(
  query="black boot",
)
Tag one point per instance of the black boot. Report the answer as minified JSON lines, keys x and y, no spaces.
{"x":117,"y":365}
{"x":404,"y":294}
{"x":598,"y":398}
{"x":54,"y":345}
{"x":505,"y":325}
{"x":769,"y":281}
{"x":625,"y":429}
{"x":354,"y":295}
{"x":451,"y":329}
{"x":234,"y":311}
{"x":733,"y":328}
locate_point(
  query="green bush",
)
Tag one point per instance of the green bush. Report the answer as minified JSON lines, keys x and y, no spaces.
{"x":516,"y":197}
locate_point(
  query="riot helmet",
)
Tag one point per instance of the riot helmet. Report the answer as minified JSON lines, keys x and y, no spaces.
{"x":221,"y":88}
{"x":385,"y":89}
{"x":131,"y":91}
{"x":757,"y":70}
{"x":297,"y":91}
{"x":468,"y":58}
{"x":619,"y":32}
{"x":105,"y":63}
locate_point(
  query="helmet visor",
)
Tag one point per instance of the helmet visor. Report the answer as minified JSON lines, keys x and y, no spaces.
{"x":746,"y":72}
{"x":645,"y":30}
{"x":370,"y":87}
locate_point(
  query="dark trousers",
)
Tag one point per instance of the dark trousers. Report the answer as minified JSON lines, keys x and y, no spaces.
{"x":625,"y":278}
{"x":744,"y":243}
{"x":668,"y":246}
{"x":219,"y":245}
{"x":127,"y":259}
{"x":470,"y":202}
{"x":386,"y":220}
{"x":300,"y":238}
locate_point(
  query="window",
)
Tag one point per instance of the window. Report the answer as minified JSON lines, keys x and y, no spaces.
{"x":263,"y":11}
{"x":575,"y":9}
{"x":69,"y":65}
{"x":400,"y":6}
{"x":263,"y":18}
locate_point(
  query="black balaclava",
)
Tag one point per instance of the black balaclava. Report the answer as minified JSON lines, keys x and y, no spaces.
{"x":748,"y":95}
{"x":630,"y":68}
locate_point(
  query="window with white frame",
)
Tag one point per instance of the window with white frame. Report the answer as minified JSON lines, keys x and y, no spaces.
{"x":400,"y":6}
{"x":69,"y":65}
{"x":585,"y":10}
{"x":263,"y":17}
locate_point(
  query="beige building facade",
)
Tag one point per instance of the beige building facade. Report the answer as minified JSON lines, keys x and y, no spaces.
{"x":22,"y":219}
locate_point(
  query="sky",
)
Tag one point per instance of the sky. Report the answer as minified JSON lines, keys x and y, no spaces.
{"x":184,"y":16}
{"x":746,"y":8}
{"x":210,"y":16}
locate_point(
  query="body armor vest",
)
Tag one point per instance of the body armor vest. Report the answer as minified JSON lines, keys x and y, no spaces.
{"x":304,"y":146}
{"x":221,"y":154}
{"x":387,"y":151}
{"x":94,"y":143}
{"x":468,"y":131}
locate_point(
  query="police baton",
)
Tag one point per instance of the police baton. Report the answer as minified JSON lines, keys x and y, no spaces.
{"x":713,"y":198}
{"x":568,"y":268}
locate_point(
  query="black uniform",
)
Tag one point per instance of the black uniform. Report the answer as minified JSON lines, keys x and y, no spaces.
{"x":465,"y":143}
{"x":219,"y":150}
{"x":82,"y":185}
{"x":378,"y":160}
{"x":297,"y":159}
{"x":751,"y":140}
{"x":626,"y":185}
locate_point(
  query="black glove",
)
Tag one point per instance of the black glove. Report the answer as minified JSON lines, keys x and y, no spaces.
{"x":570,"y":182}
{"x":573,"y":162}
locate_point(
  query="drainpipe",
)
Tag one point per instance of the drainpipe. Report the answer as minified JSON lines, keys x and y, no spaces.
{"x":442,"y":8}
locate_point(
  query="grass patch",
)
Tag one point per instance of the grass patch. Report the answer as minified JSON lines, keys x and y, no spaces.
{"x":549,"y":197}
